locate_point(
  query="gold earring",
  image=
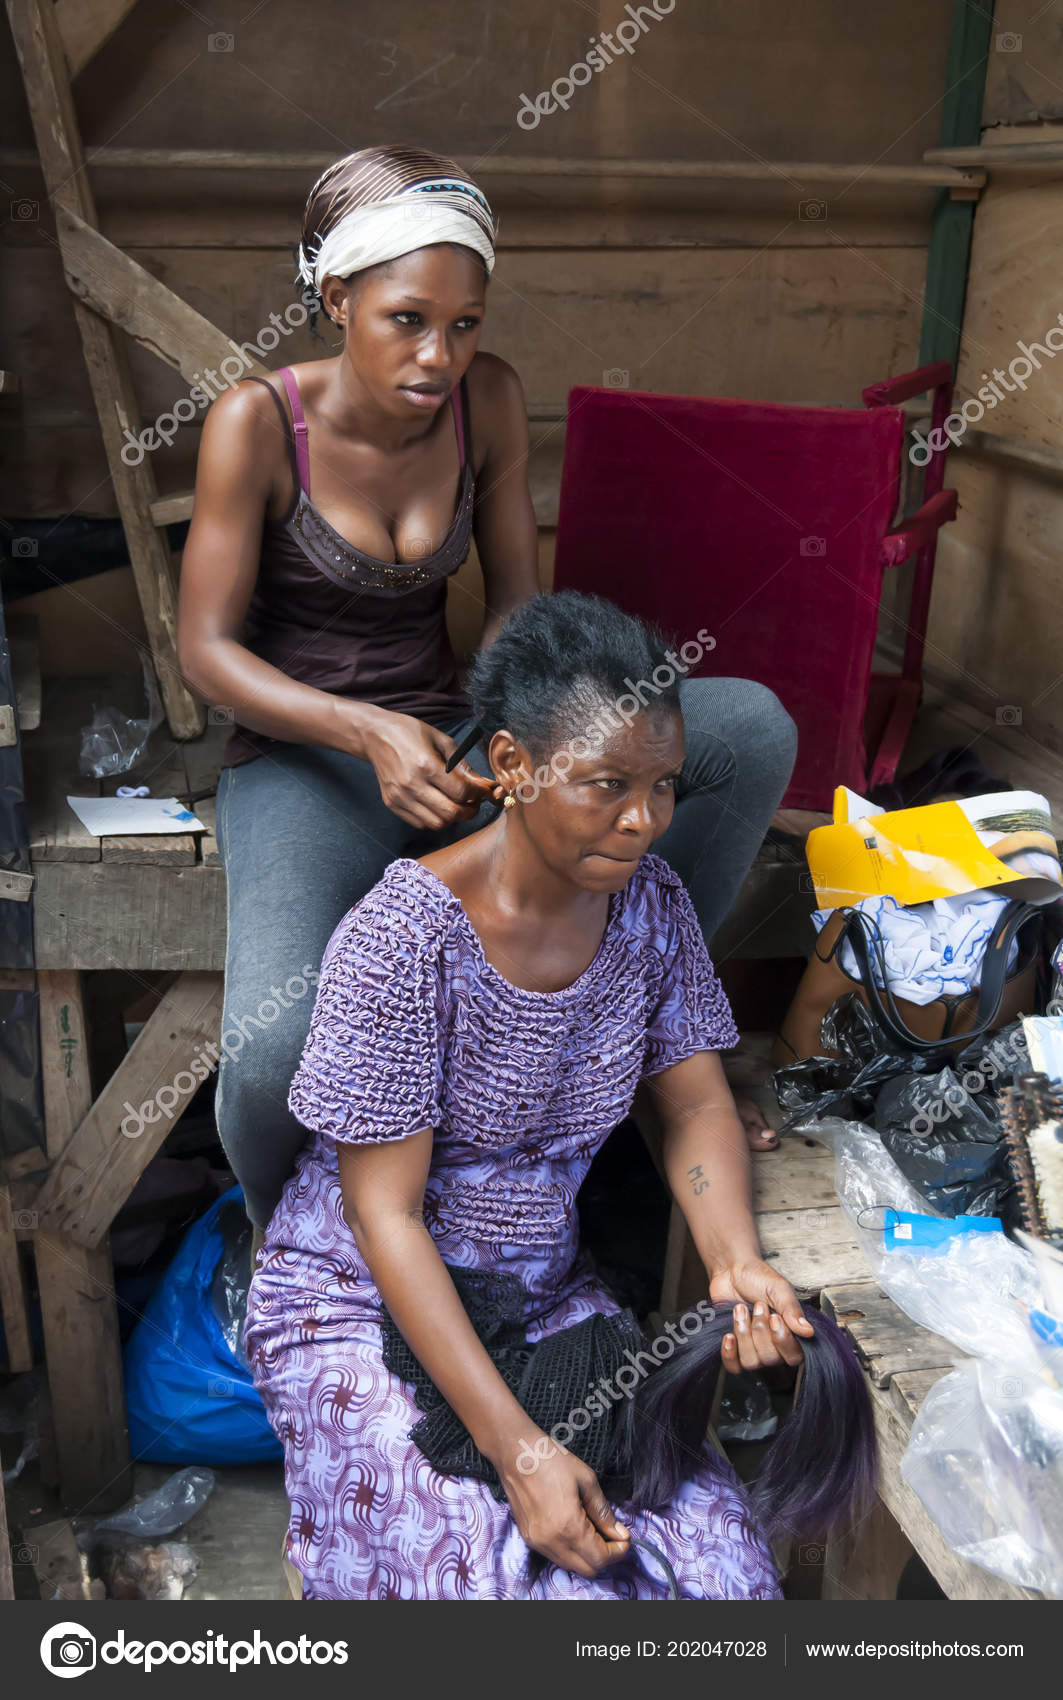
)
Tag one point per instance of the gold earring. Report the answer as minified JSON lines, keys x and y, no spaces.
{"x":509,"y":801}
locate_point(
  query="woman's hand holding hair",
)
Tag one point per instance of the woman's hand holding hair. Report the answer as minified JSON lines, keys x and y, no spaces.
{"x":409,"y":759}
{"x":559,"y":1507}
{"x":769,"y":1323}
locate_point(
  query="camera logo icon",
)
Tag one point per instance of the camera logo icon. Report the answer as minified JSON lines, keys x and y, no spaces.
{"x":68,"y":1650}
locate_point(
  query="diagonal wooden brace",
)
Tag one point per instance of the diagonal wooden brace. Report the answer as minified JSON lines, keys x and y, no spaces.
{"x":102,"y":1162}
{"x":123,"y":292}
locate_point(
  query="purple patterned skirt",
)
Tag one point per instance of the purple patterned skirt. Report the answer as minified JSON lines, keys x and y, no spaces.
{"x":370,"y":1517}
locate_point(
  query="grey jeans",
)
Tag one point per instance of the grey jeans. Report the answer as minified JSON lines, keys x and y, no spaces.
{"x":304,"y":835}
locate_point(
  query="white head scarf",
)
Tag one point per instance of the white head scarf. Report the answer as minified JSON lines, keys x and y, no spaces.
{"x":444,"y":210}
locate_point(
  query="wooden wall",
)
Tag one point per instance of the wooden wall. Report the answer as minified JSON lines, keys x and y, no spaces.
{"x":740,"y":289}
{"x":997,"y":613}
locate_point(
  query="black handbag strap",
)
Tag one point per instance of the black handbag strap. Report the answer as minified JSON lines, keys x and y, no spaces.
{"x":866,"y":941}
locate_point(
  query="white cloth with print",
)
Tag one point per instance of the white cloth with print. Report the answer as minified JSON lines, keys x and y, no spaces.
{"x":932,"y":950}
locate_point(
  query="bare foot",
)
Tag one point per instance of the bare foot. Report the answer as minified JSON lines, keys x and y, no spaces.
{"x":760,"y":1136}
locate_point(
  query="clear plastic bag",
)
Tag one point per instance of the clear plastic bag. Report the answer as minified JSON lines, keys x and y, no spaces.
{"x":985,"y":1454}
{"x":114,"y":742}
{"x":746,"y":1409}
{"x":986,"y":1458}
{"x":149,"y":1572}
{"x":159,"y":1513}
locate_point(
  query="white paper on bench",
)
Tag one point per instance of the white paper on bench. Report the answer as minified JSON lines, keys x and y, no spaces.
{"x":132,"y":817}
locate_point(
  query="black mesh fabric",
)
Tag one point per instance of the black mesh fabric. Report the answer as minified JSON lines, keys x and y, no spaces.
{"x":551,"y":1379}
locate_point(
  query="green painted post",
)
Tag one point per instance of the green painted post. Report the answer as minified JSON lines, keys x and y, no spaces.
{"x":950,"y":236}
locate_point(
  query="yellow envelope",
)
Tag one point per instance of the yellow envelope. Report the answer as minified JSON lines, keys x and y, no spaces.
{"x":941,"y":850}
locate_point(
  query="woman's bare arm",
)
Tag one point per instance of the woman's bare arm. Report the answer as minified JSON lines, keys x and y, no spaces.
{"x":507,"y":537}
{"x":706,"y":1161}
{"x":558,"y":1504}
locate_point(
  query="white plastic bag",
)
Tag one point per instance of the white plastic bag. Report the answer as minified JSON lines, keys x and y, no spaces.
{"x":985,"y":1454}
{"x":985,"y":1457}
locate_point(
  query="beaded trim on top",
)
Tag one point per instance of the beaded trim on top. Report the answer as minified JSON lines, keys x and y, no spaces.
{"x":351,"y":568}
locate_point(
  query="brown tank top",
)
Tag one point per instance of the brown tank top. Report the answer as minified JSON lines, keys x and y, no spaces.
{"x":329,"y":615}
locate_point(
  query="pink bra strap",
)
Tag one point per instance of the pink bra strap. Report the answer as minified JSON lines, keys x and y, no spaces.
{"x":302,"y":453}
{"x":459,"y":424}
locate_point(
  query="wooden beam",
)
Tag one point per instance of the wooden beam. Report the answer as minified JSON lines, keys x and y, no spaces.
{"x":990,"y":156}
{"x":47,"y":82}
{"x":800,"y":173}
{"x":171,"y":510}
{"x":1038,"y":458}
{"x":84,"y":26}
{"x":141,"y":916}
{"x":76,"y":1285}
{"x":104,"y":1159}
{"x":127,"y":295}
{"x":13,"y":1306}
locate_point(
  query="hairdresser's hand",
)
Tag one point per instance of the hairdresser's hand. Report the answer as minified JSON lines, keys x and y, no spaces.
{"x":409,"y":758}
{"x":560,"y":1509}
{"x":768,"y":1321}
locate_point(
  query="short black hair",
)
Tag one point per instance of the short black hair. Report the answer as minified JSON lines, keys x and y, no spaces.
{"x":559,"y":660}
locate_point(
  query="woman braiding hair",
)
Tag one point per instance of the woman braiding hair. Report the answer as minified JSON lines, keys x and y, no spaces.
{"x":335,"y":501}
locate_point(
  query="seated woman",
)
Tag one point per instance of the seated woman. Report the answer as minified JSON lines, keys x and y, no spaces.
{"x":483,"y":1017}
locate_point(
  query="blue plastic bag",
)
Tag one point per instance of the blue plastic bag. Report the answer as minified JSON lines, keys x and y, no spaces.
{"x":189,"y":1391}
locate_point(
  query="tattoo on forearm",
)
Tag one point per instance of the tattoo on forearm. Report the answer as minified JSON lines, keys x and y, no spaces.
{"x":698,"y":1179}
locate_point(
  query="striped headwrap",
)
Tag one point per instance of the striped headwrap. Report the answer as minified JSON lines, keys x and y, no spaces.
{"x":365,"y":226}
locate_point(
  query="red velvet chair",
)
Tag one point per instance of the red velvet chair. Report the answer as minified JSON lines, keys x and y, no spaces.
{"x":769,"y":526}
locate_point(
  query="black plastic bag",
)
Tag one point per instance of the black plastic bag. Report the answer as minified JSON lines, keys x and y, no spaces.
{"x":946,"y":1143}
{"x":847,"y":1085}
{"x":232,"y":1277}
